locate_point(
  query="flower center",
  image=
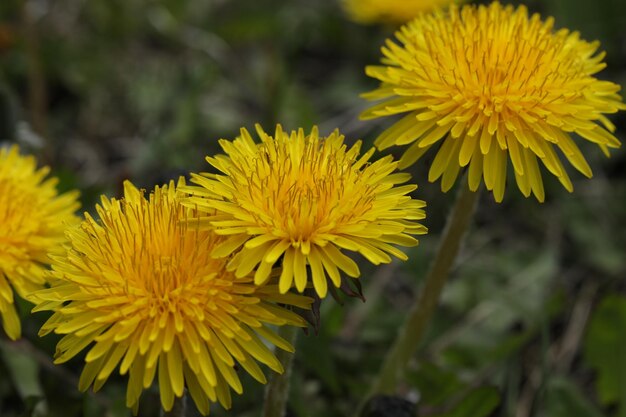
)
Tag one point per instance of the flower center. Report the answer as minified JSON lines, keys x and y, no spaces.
{"x":298,"y":193}
{"x":155,"y":256}
{"x":505,"y":61}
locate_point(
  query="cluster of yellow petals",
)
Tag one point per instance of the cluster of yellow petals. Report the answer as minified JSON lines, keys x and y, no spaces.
{"x":304,"y":199}
{"x":140,"y":288}
{"x":390,"y":11}
{"x":33,"y":217}
{"x":184,"y":284}
{"x":488,"y":84}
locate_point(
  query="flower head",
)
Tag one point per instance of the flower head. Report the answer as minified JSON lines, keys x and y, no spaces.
{"x":305,"y":198}
{"x":33,"y":217}
{"x":489,"y":83}
{"x":140,"y":287}
{"x":390,"y":11}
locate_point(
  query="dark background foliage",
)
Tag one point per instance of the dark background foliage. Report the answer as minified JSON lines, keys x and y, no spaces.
{"x":533,"y":322}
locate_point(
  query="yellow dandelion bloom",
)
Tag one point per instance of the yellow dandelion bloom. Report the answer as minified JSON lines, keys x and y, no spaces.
{"x":33,"y":217}
{"x":140,"y":287}
{"x":390,"y":11}
{"x":303,"y":199}
{"x":490,"y":83}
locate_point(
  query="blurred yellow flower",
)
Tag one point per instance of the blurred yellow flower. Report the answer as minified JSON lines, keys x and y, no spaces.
{"x":140,"y":283}
{"x":490,"y":83}
{"x":390,"y":11}
{"x":305,"y":198}
{"x":33,"y":217}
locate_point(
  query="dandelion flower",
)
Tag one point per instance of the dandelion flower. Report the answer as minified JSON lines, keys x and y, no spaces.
{"x":33,"y":217}
{"x":488,"y":83}
{"x":390,"y":11}
{"x":304,"y":199}
{"x":140,"y":287}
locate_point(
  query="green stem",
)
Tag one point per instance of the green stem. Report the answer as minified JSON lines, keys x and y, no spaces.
{"x":179,"y":409}
{"x":277,"y":391}
{"x":422,"y":311}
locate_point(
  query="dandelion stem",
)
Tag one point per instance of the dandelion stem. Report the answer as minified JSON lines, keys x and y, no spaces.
{"x":277,"y":391}
{"x":179,"y":409}
{"x":412,"y":332}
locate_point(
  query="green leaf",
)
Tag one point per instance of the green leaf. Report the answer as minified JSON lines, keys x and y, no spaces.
{"x":24,"y":372}
{"x":31,"y":404}
{"x":605,"y":350}
{"x":564,"y":399}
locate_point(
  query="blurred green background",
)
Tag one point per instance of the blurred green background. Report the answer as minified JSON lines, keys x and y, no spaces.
{"x":533,"y":322}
